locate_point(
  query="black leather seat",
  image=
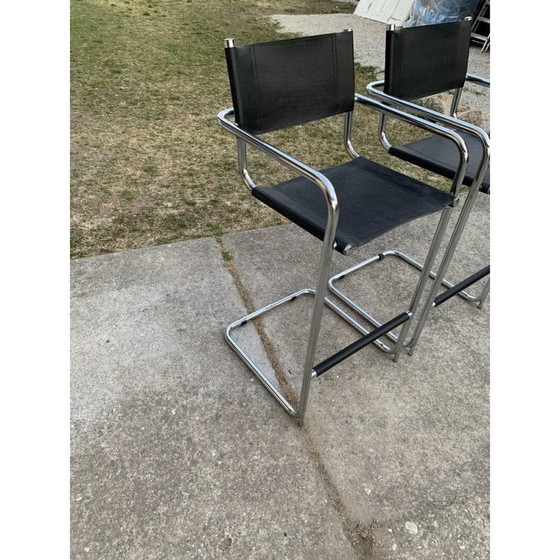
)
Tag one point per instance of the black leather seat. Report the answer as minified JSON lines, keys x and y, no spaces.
{"x":440,"y":156}
{"x":423,"y":61}
{"x":373,"y":200}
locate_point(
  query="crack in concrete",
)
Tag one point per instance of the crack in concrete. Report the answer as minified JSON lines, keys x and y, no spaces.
{"x":257,"y":322}
{"x":359,"y":536}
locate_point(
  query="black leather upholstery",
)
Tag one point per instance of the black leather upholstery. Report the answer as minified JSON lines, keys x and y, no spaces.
{"x":422,"y":61}
{"x":441,"y":156}
{"x":373,"y":200}
{"x":282,"y":83}
{"x":427,"y":59}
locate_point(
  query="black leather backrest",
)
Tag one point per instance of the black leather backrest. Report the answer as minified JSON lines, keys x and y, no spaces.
{"x":292,"y":81}
{"x":427,"y":59}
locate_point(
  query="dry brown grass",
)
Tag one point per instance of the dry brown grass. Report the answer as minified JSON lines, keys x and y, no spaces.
{"x":149,"y":163}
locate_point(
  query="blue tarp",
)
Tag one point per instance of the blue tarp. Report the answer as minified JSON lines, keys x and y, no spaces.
{"x":426,"y":12}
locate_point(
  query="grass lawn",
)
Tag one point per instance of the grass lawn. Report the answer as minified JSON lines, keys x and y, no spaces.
{"x":149,"y":164}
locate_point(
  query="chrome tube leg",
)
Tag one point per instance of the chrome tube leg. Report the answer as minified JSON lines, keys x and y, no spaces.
{"x":314,"y":329}
{"x":319,"y":301}
{"x":449,"y":252}
{"x":434,"y":248}
{"x":455,"y":102}
{"x":484,"y":294}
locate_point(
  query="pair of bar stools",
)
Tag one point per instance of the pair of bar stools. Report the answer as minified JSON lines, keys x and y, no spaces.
{"x":282,"y":83}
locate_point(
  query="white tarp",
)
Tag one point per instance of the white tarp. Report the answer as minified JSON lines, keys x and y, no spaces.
{"x":416,"y":12}
{"x":386,"y":11}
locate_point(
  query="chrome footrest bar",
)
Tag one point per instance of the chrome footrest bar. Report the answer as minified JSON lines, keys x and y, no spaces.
{"x":458,"y":289}
{"x":448,"y":294}
{"x":351,"y":349}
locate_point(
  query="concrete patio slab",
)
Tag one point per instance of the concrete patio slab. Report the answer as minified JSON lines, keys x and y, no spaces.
{"x":179,"y":452}
{"x":176,"y":452}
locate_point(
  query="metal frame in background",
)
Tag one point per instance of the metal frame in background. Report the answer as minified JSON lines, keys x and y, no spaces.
{"x":310,"y":370}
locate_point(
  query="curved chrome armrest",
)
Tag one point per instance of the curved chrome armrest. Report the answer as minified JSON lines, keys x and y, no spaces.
{"x":373,"y":89}
{"x":281,"y":157}
{"x":438,"y":117}
{"x":430,"y":127}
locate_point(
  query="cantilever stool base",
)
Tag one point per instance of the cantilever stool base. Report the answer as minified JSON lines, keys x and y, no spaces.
{"x":323,"y":366}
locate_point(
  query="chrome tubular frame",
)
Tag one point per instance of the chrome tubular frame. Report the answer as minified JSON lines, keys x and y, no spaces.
{"x":360,"y":310}
{"x":438,"y":276}
{"x":320,"y":291}
{"x":447,"y":120}
{"x":426,"y":272}
{"x":326,"y":254}
{"x":373,"y":89}
{"x":455,"y":102}
{"x":393,"y":110}
{"x":282,"y":400}
{"x":349,"y":117}
{"x":436,"y":129}
{"x":478,"y":80}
